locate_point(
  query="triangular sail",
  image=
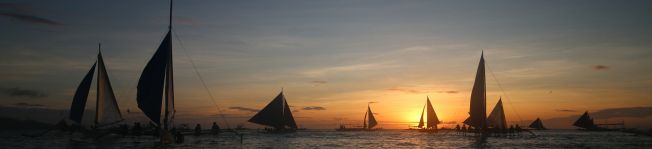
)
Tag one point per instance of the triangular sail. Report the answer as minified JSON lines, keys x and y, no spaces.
{"x":537,"y":124}
{"x":497,"y":117}
{"x":585,"y":121}
{"x":421,"y":123}
{"x":107,"y":110}
{"x":477,"y":111}
{"x":276,"y":114}
{"x":372,"y":120}
{"x":81,"y":95}
{"x":152,"y":81}
{"x":432,"y":116}
{"x":364,"y":121}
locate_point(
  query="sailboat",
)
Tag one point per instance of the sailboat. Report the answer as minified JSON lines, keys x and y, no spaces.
{"x":496,"y":118}
{"x":276,"y":114}
{"x":537,"y":125}
{"x":107,"y":111}
{"x":431,"y":118}
{"x":368,"y":123}
{"x":156,"y":87}
{"x":477,"y":111}
{"x":585,"y":122}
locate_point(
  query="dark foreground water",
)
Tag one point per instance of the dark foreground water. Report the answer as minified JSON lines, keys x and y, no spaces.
{"x":332,"y":139}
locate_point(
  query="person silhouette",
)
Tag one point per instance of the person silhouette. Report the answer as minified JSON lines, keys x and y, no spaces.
{"x":197,"y":130}
{"x":215,"y":129}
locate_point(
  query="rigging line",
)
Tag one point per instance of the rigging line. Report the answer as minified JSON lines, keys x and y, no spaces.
{"x":201,"y":79}
{"x":507,"y":96}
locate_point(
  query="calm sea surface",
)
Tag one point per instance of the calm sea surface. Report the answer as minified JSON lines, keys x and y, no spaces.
{"x":333,"y":139}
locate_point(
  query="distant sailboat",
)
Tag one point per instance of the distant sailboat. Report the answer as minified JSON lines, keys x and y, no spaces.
{"x":106,"y":107}
{"x":585,"y":121}
{"x":368,"y":123}
{"x":537,"y":125}
{"x":431,"y":117}
{"x":276,"y":114}
{"x":497,"y":117}
{"x":156,"y":86}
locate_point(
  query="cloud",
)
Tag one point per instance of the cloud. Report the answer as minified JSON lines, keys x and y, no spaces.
{"x":22,"y":104}
{"x":25,"y":18}
{"x":23,"y":93}
{"x":318,"y":82}
{"x":244,"y":109}
{"x":313,"y":108}
{"x":371,"y":102}
{"x":637,"y":112}
{"x":346,"y":68}
{"x":600,"y":67}
{"x":565,"y":110}
{"x":411,"y":91}
{"x":448,"y":92}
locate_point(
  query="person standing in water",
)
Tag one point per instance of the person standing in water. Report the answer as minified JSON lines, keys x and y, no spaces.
{"x":215,"y":129}
{"x":197,"y":130}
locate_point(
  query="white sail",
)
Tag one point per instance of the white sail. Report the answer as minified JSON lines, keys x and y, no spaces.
{"x":107,"y":110}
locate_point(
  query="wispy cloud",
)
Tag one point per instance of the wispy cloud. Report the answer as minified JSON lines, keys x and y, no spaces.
{"x":319,"y":82}
{"x":23,"y":93}
{"x":565,"y":110}
{"x":346,"y":68}
{"x":448,"y":92}
{"x":244,"y":109}
{"x":412,"y":91}
{"x":22,"y":104}
{"x":184,"y":20}
{"x":25,"y":18}
{"x":600,"y":67}
{"x":313,"y":108}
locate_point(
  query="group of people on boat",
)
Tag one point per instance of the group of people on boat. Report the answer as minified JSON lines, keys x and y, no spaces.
{"x":512,"y":129}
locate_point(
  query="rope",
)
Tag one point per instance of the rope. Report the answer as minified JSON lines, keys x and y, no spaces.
{"x":192,"y":62}
{"x":503,"y":91}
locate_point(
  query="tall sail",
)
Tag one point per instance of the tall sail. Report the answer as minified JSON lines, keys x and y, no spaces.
{"x":372,"y":120}
{"x":497,"y":117}
{"x":585,"y":121}
{"x":107,"y":110}
{"x":477,"y":111}
{"x":153,"y":80}
{"x":81,"y":95}
{"x":364,"y":121}
{"x":276,"y":114}
{"x":537,"y":124}
{"x":432,"y":116}
{"x":421,"y":123}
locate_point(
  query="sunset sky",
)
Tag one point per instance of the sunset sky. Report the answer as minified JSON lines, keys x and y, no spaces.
{"x":546,"y":59}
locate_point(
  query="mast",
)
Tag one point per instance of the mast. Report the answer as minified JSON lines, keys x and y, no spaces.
{"x":169,"y":81}
{"x":97,"y":93}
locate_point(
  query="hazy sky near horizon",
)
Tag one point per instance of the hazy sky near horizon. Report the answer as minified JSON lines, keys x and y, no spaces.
{"x":545,"y":58}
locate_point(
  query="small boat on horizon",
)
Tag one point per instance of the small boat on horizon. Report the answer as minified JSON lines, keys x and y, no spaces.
{"x":368,"y":124}
{"x":277,"y":115}
{"x":537,"y":125}
{"x":431,"y":118}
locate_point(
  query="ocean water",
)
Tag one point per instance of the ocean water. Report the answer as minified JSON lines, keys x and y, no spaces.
{"x":333,"y":139}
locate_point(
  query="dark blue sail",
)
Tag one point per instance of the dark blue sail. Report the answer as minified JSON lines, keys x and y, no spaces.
{"x":79,"y":101}
{"x":151,"y":83}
